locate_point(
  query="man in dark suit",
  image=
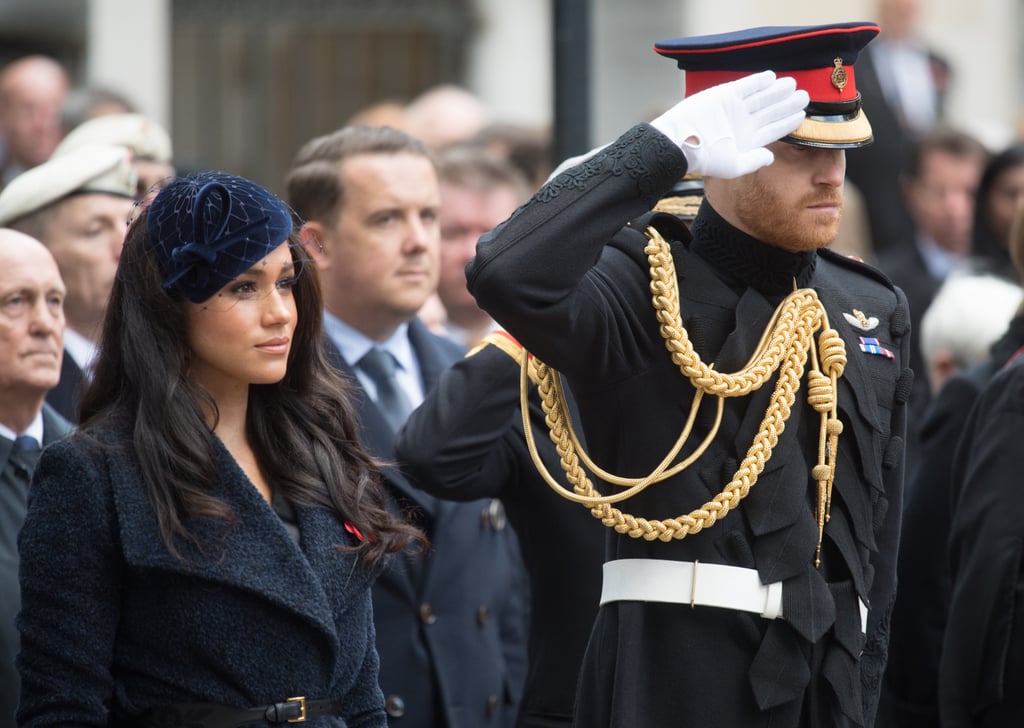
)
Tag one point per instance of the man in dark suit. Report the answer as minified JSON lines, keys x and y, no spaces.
{"x":450,"y":624}
{"x":76,"y":204}
{"x":903,"y":84}
{"x":939,"y":186}
{"x":766,"y":601}
{"x":31,"y":329}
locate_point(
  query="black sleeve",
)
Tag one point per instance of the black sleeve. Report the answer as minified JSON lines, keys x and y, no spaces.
{"x":535,"y":273}
{"x":984,"y":639}
{"x":460,"y":442}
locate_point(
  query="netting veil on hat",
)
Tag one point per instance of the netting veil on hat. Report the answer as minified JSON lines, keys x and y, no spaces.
{"x":209,"y":228}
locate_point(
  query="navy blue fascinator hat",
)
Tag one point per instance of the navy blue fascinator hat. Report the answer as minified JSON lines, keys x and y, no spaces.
{"x":209,"y":228}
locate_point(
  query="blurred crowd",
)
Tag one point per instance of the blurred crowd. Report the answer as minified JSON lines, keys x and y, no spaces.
{"x":488,"y":624}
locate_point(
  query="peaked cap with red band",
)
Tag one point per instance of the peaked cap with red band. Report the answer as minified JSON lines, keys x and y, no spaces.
{"x":819,"y":57}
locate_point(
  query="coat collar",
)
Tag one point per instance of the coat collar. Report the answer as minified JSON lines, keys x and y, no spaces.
{"x":743,"y":261}
{"x":255,"y":553}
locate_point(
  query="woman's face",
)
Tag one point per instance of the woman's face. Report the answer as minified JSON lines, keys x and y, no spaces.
{"x":243,"y":334}
{"x":1005,"y":200}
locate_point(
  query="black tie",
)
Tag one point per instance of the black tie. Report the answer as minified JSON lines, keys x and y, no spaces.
{"x":24,"y":454}
{"x":379,"y":365}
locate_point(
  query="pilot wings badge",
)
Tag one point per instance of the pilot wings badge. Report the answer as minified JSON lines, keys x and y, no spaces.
{"x":858,"y":320}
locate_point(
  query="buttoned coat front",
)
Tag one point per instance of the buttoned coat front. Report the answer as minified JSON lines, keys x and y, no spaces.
{"x":113,"y":624}
{"x":451,"y":623}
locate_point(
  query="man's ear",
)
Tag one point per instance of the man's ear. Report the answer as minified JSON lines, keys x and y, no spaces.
{"x":313,"y":240}
{"x":942,"y":366}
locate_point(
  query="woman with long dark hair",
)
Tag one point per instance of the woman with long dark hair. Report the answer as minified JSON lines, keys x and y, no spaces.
{"x":201,"y":550}
{"x":999,"y":198}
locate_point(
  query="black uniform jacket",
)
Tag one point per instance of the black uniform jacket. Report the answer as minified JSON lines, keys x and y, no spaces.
{"x":981,"y":669}
{"x":584,"y":307}
{"x":113,"y":624}
{"x":451,"y":624}
{"x":466,"y":441}
{"x":905,"y":266}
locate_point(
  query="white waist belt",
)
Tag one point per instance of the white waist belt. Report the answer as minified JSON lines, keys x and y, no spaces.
{"x":693,"y":583}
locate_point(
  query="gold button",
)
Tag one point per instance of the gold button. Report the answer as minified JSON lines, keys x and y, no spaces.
{"x":427,"y":615}
{"x":492,"y":706}
{"x":481,"y":615}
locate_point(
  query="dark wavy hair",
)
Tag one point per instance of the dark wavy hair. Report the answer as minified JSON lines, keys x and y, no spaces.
{"x":986,"y":243}
{"x":302,"y":429}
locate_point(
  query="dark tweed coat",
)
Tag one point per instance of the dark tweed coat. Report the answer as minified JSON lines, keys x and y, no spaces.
{"x":112,"y":624}
{"x":572,"y":284}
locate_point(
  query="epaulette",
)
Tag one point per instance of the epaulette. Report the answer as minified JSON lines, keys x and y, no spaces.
{"x":501,"y":339}
{"x":857,"y":264}
{"x":670,"y":227}
{"x":505,"y":342}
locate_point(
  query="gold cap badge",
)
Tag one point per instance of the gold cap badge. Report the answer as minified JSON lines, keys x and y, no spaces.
{"x":839,"y":77}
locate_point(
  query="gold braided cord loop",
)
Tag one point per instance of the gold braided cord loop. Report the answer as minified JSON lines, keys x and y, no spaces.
{"x":785,"y":346}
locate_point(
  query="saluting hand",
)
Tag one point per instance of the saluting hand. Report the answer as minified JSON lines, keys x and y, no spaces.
{"x":723,"y":130}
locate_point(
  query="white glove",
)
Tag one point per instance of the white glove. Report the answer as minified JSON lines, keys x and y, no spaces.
{"x":723,"y":130}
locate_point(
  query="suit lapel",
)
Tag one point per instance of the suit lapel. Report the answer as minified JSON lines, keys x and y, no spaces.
{"x":376,"y":433}
{"x":435,"y":355}
{"x":64,"y":397}
{"x":54,"y":426}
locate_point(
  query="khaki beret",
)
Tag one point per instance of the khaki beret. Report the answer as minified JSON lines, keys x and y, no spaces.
{"x":97,"y":168}
{"x":147,"y":139}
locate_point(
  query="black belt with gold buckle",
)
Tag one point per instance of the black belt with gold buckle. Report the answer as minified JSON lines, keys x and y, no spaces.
{"x":209,"y":715}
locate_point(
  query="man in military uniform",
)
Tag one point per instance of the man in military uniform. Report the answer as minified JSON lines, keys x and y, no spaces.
{"x":749,"y":578}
